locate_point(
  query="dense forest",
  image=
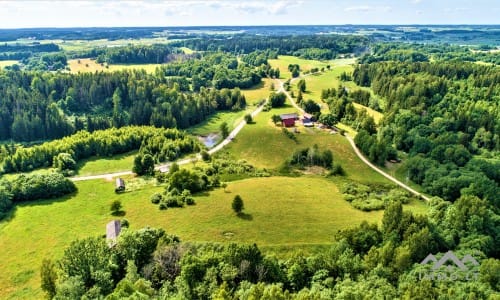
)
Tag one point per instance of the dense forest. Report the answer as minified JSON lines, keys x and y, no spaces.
{"x":446,"y":116}
{"x":37,"y":106}
{"x":306,"y":46}
{"x":425,"y":52}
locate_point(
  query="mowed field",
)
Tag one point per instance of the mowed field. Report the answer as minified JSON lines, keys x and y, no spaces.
{"x":90,"y":65}
{"x":279,"y":212}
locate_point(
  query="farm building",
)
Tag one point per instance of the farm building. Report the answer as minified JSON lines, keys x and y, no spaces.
{"x":288,"y":120}
{"x":113,"y":229}
{"x":119,"y":185}
{"x":307,"y":120}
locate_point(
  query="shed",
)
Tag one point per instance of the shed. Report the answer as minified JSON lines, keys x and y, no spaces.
{"x":119,"y":185}
{"x":288,"y":120}
{"x":307,"y":118}
{"x":113,"y":229}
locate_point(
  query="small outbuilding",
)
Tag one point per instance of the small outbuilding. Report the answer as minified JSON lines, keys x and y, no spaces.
{"x":119,"y":185}
{"x":113,"y":229}
{"x":288,"y":120}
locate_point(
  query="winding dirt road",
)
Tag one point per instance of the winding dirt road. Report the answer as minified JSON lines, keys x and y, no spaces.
{"x":164,"y":167}
{"x":358,"y":153}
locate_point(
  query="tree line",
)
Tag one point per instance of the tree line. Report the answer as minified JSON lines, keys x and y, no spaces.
{"x":377,"y":261}
{"x":164,"y":143}
{"x":32,"y":187}
{"x":319,"y":47}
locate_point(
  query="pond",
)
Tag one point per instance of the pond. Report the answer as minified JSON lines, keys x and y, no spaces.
{"x":209,"y":140}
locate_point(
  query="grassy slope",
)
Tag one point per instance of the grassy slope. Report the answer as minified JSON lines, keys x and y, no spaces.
{"x":99,"y":165}
{"x":264,"y":145}
{"x":274,"y":206}
{"x":252,"y":96}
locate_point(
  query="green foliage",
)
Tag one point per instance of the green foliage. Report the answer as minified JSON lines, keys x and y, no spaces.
{"x":115,"y":207}
{"x":277,"y":99}
{"x":328,"y":120}
{"x":39,"y":186}
{"x":224,"y":129}
{"x":301,"y":85}
{"x":237,"y":204}
{"x":48,"y":276}
{"x":89,"y":260}
{"x":205,"y":156}
{"x":368,"y":198}
{"x":276,"y":119}
{"x":144,"y":164}
{"x":64,"y":161}
{"x":5,"y":201}
{"x":161,"y":143}
{"x":289,"y":134}
{"x":248,"y":118}
{"x":312,"y":156}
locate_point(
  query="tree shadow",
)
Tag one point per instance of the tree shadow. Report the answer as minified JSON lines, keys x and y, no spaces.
{"x":119,"y":213}
{"x":245,"y":216}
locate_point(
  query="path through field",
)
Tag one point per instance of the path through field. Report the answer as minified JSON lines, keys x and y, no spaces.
{"x":164,"y":167}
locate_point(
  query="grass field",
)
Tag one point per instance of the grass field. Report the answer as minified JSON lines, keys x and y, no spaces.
{"x":89,"y":65}
{"x":273,"y":209}
{"x":252,"y":96}
{"x":264,"y":145}
{"x":101,"y":165}
{"x":305,"y":65}
{"x":6,"y":63}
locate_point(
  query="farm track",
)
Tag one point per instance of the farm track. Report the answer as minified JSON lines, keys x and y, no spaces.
{"x":358,"y":153}
{"x":164,"y":167}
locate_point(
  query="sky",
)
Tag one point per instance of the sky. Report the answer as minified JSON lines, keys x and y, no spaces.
{"x":111,"y":13}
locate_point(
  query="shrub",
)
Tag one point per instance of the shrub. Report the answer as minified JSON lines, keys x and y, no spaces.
{"x":248,"y":118}
{"x":337,"y":170}
{"x":156,"y":198}
{"x":116,"y":206}
{"x":205,"y":156}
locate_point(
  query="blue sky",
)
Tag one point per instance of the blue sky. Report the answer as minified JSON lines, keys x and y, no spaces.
{"x":22,"y":14}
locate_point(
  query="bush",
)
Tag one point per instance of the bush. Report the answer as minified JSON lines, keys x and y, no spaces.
{"x":40,"y":186}
{"x":190,"y":201}
{"x":205,"y":156}
{"x":116,"y":206}
{"x":289,"y":134}
{"x":248,"y":118}
{"x":337,"y":170}
{"x":156,"y":198}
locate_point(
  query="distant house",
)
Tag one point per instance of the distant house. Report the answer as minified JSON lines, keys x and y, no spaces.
{"x":113,"y":229}
{"x":288,"y":120}
{"x":119,"y":185}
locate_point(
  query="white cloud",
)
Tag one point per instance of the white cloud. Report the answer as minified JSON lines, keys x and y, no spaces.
{"x":361,"y":8}
{"x":367,"y":8}
{"x":416,"y":1}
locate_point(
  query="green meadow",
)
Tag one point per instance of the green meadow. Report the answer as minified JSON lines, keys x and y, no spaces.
{"x":274,"y":207}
